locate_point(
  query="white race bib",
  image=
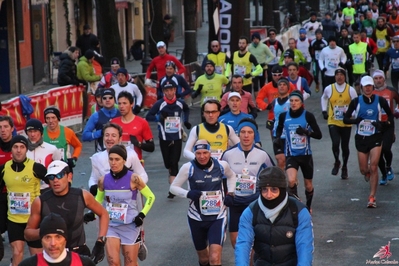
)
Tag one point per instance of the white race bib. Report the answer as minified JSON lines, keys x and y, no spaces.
{"x":172,"y":124}
{"x":358,"y":59}
{"x":19,"y":203}
{"x":381,"y":43}
{"x":216,"y":153}
{"x":245,"y":185}
{"x":117,"y":212}
{"x":211,"y":202}
{"x":297,"y":141}
{"x":239,"y":70}
{"x":219,"y":69}
{"x":339,"y":112}
{"x":365,"y":128}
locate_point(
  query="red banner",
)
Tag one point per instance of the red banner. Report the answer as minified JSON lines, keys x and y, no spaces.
{"x":69,"y":99}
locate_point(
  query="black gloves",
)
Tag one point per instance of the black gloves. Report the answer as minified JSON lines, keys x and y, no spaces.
{"x":277,"y":142}
{"x":89,"y":217}
{"x":164,"y":115}
{"x":138,"y":220}
{"x":72,"y":162}
{"x":137,"y":109}
{"x":229,"y":200}
{"x":200,"y":87}
{"x":194,"y":195}
{"x":197,"y":92}
{"x":302,"y":131}
{"x":377,"y":124}
{"x":97,"y":254}
{"x":247,"y":76}
{"x":387,"y":38}
{"x":341,"y":65}
{"x":311,"y":28}
{"x":325,"y":115}
{"x":187,"y":125}
{"x":324,"y":70}
{"x":134,"y":141}
{"x":270,"y":124}
{"x":254,"y":112}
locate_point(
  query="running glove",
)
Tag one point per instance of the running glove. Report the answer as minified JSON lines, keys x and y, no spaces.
{"x":325,"y":115}
{"x":194,"y":195}
{"x":247,"y":76}
{"x":302,"y":131}
{"x":72,"y":162}
{"x":229,"y":200}
{"x":270,"y":124}
{"x":187,"y":125}
{"x":88,"y":217}
{"x":97,"y":254}
{"x":139,"y":219}
{"x":134,"y":141}
{"x":137,"y":109}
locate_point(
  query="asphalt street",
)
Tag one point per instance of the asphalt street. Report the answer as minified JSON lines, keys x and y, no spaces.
{"x":345,"y":231}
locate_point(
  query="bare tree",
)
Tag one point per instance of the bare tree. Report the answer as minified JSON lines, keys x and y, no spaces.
{"x":190,"y":33}
{"x":110,"y":40}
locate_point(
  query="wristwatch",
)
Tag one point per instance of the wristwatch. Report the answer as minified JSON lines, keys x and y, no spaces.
{"x":102,"y":239}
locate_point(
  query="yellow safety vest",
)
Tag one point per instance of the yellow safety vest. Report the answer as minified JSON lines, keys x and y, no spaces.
{"x":339,"y":102}
{"x":219,"y":59}
{"x":242,"y":66}
{"x":359,"y":53}
{"x":382,"y":43}
{"x":219,"y":140}
{"x":22,"y":188}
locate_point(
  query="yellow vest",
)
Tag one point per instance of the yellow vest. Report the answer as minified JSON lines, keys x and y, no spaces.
{"x":22,"y":187}
{"x":339,"y":102}
{"x":219,"y":60}
{"x":242,"y":66}
{"x":359,"y":53}
{"x":382,"y":43}
{"x":219,"y":140}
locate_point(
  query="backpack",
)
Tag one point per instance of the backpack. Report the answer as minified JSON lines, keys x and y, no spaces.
{"x":291,"y":204}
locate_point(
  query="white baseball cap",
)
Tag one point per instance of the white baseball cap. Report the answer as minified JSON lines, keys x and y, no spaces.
{"x":367,"y":80}
{"x":234,"y":94}
{"x":161,"y":44}
{"x":56,"y":167}
{"x":349,"y":4}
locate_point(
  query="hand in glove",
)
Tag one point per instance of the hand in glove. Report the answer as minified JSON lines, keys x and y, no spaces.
{"x":277,"y":142}
{"x":311,"y":28}
{"x":72,"y":162}
{"x":325,"y":115}
{"x":98,"y":254}
{"x":148,"y":82}
{"x":137,"y":109}
{"x":187,"y":125}
{"x":396,"y":113}
{"x":324,"y":70}
{"x":194,"y":195}
{"x":139,"y":219}
{"x":341,"y":64}
{"x":358,"y":120}
{"x":387,"y":38}
{"x":247,"y":76}
{"x":229,"y":200}
{"x":302,"y":131}
{"x":254,"y":112}
{"x":89,"y":217}
{"x":270,"y":124}
{"x":377,"y":125}
{"x":134,"y":141}
{"x":164,"y":115}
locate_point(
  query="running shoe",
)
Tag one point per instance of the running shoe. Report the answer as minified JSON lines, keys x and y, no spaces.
{"x":383,"y":181}
{"x":335,"y":170}
{"x":390,"y":174}
{"x":317,"y":87}
{"x":371,"y":203}
{"x":344,"y":172}
{"x":171,"y":196}
{"x":367,"y":177}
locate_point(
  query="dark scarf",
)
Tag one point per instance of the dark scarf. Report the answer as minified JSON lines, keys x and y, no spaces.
{"x":120,"y":174}
{"x":271,"y":204}
{"x":33,"y":146}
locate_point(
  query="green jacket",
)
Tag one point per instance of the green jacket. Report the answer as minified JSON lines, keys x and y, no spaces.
{"x":299,"y":58}
{"x":369,"y":25}
{"x":86,"y":71}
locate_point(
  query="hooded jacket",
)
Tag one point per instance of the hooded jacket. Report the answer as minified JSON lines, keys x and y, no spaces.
{"x":67,"y":70}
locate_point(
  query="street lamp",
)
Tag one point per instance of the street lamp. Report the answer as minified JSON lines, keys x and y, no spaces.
{"x":145,"y":62}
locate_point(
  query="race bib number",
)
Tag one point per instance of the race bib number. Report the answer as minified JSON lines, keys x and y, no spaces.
{"x":369,"y":30}
{"x":172,"y":124}
{"x":381,"y":43}
{"x":211,"y":202}
{"x":339,"y":112}
{"x":239,"y":70}
{"x":117,"y":212}
{"x":219,"y":69}
{"x":62,"y":150}
{"x":245,"y":185}
{"x":216,"y":153}
{"x":274,"y":52}
{"x":297,"y":141}
{"x":19,"y":203}
{"x":365,"y":128}
{"x":395,"y":63}
{"x":317,"y":54}
{"x":207,"y":98}
{"x":358,"y":59}
{"x":332,"y":64}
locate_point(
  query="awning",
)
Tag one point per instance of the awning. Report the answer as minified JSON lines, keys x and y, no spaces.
{"x":121,"y":4}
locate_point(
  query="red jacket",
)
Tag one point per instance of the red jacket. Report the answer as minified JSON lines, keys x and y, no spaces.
{"x":158,"y":64}
{"x":303,"y":72}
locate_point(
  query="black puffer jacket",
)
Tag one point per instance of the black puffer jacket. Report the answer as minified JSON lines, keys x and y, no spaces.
{"x":67,"y":70}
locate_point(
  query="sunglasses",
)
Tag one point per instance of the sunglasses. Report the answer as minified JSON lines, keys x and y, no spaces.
{"x":108,"y":98}
{"x":277,"y":74}
{"x":271,"y":189}
{"x":58,"y":176}
{"x":215,"y":45}
{"x":211,"y":112}
{"x":170,"y":63}
{"x":395,"y":41}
